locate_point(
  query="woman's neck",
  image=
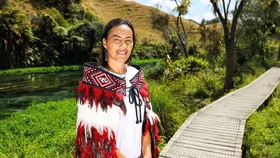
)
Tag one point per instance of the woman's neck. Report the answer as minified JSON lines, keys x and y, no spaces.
{"x":117,"y":68}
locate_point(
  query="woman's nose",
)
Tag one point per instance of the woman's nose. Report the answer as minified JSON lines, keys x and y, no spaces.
{"x":123,"y":44}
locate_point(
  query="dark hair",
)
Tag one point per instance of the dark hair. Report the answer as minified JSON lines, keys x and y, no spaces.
{"x":108,"y":27}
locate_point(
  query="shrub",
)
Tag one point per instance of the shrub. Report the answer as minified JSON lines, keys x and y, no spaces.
{"x":186,"y":65}
{"x":57,"y":16}
{"x":156,"y":71}
{"x":91,"y":16}
{"x":146,"y":50}
{"x":262,"y":132}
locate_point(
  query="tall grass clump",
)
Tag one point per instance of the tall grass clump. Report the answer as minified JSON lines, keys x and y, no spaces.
{"x":42,"y":130}
{"x":168,"y":107}
{"x":262,"y":132}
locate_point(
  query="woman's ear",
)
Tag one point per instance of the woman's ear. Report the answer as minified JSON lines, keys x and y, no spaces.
{"x":104,"y":42}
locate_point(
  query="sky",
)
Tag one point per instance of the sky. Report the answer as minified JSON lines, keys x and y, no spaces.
{"x":200,"y":9}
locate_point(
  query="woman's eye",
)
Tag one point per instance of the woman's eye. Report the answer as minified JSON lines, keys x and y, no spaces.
{"x":128,"y":41}
{"x":117,"y":40}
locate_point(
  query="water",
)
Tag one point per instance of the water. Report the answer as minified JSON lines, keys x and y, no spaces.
{"x":20,"y":91}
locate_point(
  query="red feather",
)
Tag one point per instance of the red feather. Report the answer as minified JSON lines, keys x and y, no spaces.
{"x":99,"y":97}
{"x":153,"y":129}
{"x":98,"y":145}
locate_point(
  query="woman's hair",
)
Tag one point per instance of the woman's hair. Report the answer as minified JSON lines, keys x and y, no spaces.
{"x":108,"y":27}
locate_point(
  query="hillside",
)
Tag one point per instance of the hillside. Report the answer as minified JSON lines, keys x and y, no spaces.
{"x":23,"y":6}
{"x":138,"y":14}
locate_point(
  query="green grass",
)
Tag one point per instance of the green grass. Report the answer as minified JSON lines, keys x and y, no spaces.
{"x":43,"y":130}
{"x":262,"y":132}
{"x":170,"y":110}
{"x":145,"y":61}
{"x":40,"y":70}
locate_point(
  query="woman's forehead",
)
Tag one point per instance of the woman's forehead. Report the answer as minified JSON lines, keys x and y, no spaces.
{"x":121,"y":30}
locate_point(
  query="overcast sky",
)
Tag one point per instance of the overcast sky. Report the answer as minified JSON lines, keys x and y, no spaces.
{"x":200,"y":9}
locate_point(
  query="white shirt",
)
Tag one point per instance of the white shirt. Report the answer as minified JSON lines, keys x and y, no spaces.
{"x":129,"y":134}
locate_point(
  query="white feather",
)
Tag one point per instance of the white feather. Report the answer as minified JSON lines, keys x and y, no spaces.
{"x":99,"y":119}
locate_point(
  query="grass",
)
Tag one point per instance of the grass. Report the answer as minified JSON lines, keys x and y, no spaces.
{"x":145,"y":61}
{"x":43,"y":130}
{"x":170,"y":110}
{"x":40,"y":70}
{"x":262,"y":132}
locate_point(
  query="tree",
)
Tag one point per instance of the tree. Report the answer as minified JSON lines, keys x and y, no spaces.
{"x":175,"y":36}
{"x":259,"y":29}
{"x":159,"y":20}
{"x":222,"y":10}
{"x":3,"y":3}
{"x":211,"y":40}
{"x":15,"y":37}
{"x":182,"y":9}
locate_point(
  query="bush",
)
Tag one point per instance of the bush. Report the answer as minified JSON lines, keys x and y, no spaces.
{"x":75,"y":11}
{"x":262,"y":132}
{"x":57,"y":16}
{"x":146,"y":50}
{"x":91,"y":16}
{"x":156,"y":71}
{"x":179,"y":68}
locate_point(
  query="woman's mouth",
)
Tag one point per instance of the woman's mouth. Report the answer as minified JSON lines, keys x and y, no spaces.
{"x":122,"y":52}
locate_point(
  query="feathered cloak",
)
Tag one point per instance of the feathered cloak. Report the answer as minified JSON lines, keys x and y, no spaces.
{"x":100,"y":100}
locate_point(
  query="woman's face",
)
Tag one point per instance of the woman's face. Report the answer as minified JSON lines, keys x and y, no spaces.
{"x":119,"y":43}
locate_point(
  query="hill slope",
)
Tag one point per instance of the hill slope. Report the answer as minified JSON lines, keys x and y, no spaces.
{"x":139,"y":15}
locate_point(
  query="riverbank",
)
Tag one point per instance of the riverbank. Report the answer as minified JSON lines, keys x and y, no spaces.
{"x":49,"y":69}
{"x":40,"y":70}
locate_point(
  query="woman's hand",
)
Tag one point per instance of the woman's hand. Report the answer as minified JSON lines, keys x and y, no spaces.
{"x":119,"y":154}
{"x":146,"y":146}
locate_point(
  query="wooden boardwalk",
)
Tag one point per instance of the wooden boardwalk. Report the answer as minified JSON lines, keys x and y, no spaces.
{"x":217,"y":129}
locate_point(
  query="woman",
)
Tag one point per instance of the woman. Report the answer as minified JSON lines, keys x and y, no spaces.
{"x":115,"y":117}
